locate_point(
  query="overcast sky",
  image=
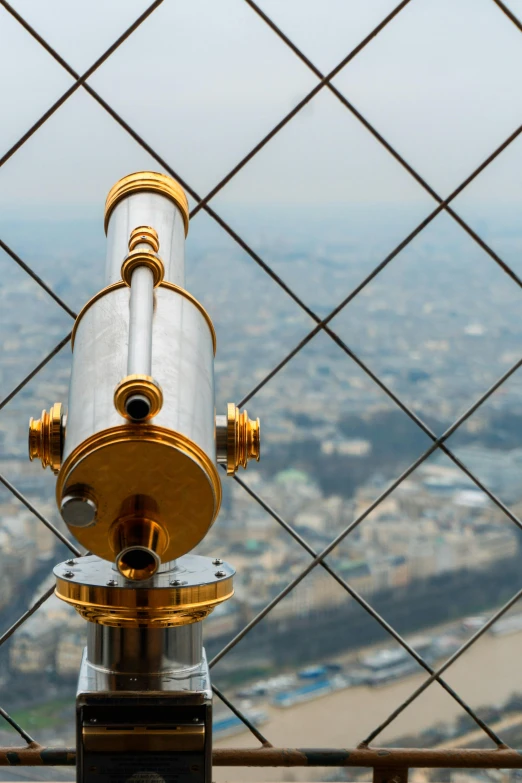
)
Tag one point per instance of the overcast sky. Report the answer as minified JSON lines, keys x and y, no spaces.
{"x":204,"y":81}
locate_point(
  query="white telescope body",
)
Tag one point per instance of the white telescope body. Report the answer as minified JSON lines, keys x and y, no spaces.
{"x":136,"y":458}
{"x":137,"y":455}
{"x":182,"y":354}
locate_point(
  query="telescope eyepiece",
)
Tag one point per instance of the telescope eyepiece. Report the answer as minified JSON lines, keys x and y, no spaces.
{"x":137,"y":563}
{"x":138,"y":407}
{"x":138,"y":397}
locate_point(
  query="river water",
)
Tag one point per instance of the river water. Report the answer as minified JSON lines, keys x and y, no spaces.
{"x":487,"y":674}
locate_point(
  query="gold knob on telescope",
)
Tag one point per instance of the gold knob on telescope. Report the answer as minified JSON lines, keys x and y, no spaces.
{"x":142,"y":258}
{"x":144,"y":235}
{"x":243,"y":439}
{"x":46,"y":437}
{"x":138,"y":394}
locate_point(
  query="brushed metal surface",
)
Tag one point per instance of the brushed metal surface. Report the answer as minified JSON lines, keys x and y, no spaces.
{"x":145,"y":650}
{"x":182,"y":363}
{"x":141,"y":307}
{"x":149,"y":209}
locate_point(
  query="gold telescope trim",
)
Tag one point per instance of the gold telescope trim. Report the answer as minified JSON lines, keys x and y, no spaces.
{"x":142,"y":258}
{"x":152,"y":182}
{"x":152,"y":607}
{"x":243,"y":439}
{"x":140,"y":543}
{"x":138,"y":384}
{"x":145,"y":234}
{"x":46,"y":438}
{"x":163,"y":284}
{"x":143,"y":471}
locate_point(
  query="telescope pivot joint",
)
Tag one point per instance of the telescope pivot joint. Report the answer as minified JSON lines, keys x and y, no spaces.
{"x":46,"y":436}
{"x":238,"y":439}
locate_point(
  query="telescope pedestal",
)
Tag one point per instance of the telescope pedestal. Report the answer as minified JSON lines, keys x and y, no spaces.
{"x":144,"y":701}
{"x":144,"y":728}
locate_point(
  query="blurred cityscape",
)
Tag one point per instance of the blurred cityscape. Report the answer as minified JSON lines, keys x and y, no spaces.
{"x":438,"y":327}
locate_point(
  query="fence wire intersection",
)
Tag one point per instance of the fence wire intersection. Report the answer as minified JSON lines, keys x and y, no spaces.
{"x":321,"y":324}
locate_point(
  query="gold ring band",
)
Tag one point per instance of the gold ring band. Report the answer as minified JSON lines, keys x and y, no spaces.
{"x":144,"y":234}
{"x":157,"y":608}
{"x":138,"y":384}
{"x":142,"y":258}
{"x":152,"y":182}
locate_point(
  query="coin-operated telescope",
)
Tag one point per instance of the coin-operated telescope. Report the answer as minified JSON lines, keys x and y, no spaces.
{"x":138,"y":486}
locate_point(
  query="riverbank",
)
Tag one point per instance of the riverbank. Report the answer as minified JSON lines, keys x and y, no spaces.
{"x":487,"y":674}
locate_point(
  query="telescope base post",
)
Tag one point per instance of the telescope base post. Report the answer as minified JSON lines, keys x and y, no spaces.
{"x":144,"y":728}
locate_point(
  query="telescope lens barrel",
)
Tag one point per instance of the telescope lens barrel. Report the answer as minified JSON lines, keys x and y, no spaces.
{"x":137,"y":563}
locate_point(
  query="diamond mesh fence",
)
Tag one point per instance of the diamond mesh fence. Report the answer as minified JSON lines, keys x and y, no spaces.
{"x":323,"y":323}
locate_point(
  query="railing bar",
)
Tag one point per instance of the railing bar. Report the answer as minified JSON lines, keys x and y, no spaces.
{"x":372,"y":758}
{"x":364,"y":514}
{"x":371,"y":611}
{"x":376,"y":758}
{"x":35,"y":371}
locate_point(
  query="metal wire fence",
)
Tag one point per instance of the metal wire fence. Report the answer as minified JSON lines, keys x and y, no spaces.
{"x":267,"y":755}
